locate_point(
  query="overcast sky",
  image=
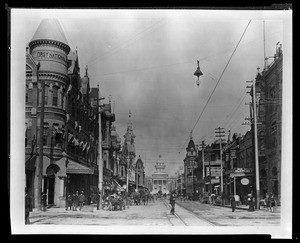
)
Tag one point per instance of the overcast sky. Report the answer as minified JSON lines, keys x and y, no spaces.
{"x":145,"y":59}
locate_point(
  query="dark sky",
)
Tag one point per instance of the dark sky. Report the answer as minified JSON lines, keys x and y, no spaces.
{"x":145,"y":59}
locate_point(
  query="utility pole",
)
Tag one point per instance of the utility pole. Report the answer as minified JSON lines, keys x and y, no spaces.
{"x":100,"y":161}
{"x":39,"y":167}
{"x":255,"y":142}
{"x":210,"y":187}
{"x":220,"y":133}
{"x":203,"y":167}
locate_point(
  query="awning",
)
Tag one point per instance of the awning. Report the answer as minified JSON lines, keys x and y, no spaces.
{"x":116,"y":185}
{"x":76,"y":168}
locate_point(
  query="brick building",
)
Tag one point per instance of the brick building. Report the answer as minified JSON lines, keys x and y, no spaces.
{"x":70,"y":121}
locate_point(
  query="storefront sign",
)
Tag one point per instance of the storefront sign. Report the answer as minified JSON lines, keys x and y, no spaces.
{"x":50,"y":55}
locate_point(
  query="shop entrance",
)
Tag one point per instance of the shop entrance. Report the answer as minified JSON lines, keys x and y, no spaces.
{"x":49,"y":183}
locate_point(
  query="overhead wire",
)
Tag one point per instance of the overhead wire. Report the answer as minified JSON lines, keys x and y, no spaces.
{"x":219,"y":80}
{"x":129,"y":42}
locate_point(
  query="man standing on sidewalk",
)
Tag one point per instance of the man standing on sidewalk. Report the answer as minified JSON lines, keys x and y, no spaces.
{"x":28,"y":206}
{"x":172,"y":202}
{"x":81,"y":200}
{"x":232,"y":202}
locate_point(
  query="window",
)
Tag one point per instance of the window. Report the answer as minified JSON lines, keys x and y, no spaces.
{"x":46,"y":133}
{"x":46,"y":94}
{"x":55,"y":96}
{"x":26,"y":94}
{"x":261,"y":109}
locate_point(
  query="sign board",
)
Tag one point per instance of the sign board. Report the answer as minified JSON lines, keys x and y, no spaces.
{"x":213,"y":181}
{"x":245,"y":181}
{"x":215,"y":171}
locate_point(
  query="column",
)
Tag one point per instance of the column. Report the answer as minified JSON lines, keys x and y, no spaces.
{"x":59,"y":191}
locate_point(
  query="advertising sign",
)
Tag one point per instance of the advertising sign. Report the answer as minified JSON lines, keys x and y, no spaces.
{"x":245,"y":181}
{"x":215,"y":171}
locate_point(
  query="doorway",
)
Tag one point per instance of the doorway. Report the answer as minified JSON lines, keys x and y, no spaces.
{"x":49,"y":183}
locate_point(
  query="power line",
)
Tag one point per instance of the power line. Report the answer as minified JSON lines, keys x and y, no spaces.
{"x":129,"y":42}
{"x":219,"y":79}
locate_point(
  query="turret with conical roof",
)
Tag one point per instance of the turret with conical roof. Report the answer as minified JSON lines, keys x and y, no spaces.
{"x":50,"y":48}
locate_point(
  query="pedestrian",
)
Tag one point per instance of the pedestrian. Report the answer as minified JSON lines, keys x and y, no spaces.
{"x":98,"y":199}
{"x":267,"y":201}
{"x":232,"y":202}
{"x":28,"y":206}
{"x":272,"y":202}
{"x":251,"y":203}
{"x":44,"y":201}
{"x":172,"y":202}
{"x":69,"y":202}
{"x":81,"y":200}
{"x":75,"y":201}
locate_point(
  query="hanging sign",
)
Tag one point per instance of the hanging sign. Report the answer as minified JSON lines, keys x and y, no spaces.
{"x":245,"y":181}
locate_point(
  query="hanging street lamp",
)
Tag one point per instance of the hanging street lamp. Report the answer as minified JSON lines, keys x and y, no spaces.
{"x":198,"y":73}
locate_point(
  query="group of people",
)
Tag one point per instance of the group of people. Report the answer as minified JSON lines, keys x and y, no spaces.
{"x":75,"y":200}
{"x":270,"y":202}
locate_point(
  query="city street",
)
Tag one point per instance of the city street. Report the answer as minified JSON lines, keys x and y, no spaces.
{"x":157,"y":213}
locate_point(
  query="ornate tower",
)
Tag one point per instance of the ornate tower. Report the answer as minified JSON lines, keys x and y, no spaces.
{"x":129,"y":148}
{"x":47,"y":60}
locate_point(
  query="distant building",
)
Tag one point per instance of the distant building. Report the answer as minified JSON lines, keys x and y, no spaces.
{"x":160,"y":180}
{"x":189,"y":168}
{"x":140,"y":181}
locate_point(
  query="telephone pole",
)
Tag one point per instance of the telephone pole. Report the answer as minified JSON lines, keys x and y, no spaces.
{"x":220,"y":133}
{"x":255,"y":141}
{"x":39,"y":167}
{"x":100,"y":160}
{"x":203,"y":166}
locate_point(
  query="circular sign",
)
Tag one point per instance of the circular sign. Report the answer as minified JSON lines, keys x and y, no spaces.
{"x":245,"y":181}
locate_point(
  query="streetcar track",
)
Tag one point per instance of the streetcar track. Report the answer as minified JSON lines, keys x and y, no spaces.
{"x":199,"y":217}
{"x":167,"y":205}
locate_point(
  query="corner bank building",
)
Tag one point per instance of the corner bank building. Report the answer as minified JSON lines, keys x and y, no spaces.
{"x":70,"y":138}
